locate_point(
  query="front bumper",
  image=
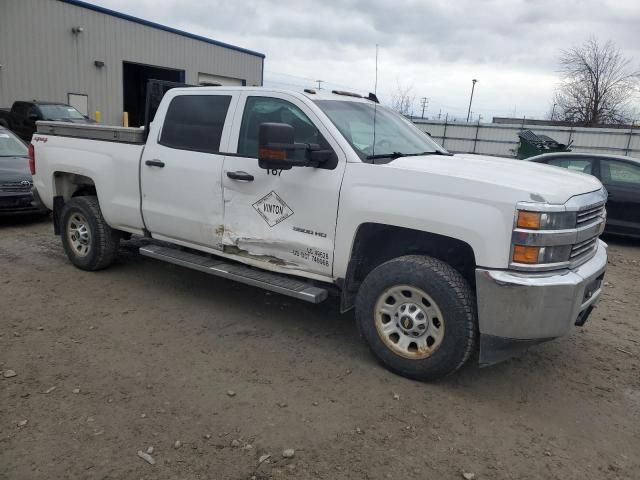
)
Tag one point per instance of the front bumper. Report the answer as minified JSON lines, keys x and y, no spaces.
{"x":518,"y":309}
{"x":20,"y":202}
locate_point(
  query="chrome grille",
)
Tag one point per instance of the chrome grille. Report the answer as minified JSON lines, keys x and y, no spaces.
{"x":583,"y":249}
{"x":589,"y":214}
{"x":24,"y":186}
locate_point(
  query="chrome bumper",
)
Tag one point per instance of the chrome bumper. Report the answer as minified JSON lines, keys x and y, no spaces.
{"x":517,"y":309}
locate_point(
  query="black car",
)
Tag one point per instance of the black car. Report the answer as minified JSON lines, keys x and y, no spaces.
{"x":15,"y":178}
{"x":620,"y":176}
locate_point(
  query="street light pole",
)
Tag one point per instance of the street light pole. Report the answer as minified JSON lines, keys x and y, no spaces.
{"x":473,"y":86}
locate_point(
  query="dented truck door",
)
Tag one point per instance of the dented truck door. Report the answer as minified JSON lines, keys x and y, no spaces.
{"x":285,"y":218}
{"x":181,"y":167}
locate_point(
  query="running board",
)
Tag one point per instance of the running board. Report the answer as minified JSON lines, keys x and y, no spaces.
{"x":240,"y":273}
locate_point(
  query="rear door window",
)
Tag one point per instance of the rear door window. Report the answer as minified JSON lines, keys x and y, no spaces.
{"x":195,"y":122}
{"x":584,"y":165}
{"x":619,"y":173}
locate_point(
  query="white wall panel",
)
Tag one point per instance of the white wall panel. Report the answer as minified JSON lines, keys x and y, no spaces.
{"x":502,"y":139}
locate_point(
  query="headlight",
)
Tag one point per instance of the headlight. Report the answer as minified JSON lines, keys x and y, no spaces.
{"x":547,"y":237}
{"x":545,"y":220}
{"x":532,"y":255}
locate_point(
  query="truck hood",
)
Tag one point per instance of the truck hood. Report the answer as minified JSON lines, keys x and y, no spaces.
{"x":538,"y":182}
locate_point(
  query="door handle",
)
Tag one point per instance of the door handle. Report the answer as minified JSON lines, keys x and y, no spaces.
{"x":243,"y":176}
{"x":154,"y":163}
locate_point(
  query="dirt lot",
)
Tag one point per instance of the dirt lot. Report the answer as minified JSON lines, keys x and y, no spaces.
{"x":144,"y":354}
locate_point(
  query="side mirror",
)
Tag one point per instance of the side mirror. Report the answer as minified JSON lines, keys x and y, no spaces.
{"x":33,"y":117}
{"x":275,"y":141}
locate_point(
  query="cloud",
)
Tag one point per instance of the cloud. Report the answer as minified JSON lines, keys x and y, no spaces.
{"x":436,"y":46}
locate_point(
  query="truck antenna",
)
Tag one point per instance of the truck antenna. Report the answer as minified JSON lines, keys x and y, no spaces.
{"x":375,"y":107}
{"x":375,"y":87}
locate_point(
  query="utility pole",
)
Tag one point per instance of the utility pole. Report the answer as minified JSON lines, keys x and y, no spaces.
{"x":439,"y":114}
{"x":319,"y":82}
{"x":473,"y":86}
{"x":424,"y":101}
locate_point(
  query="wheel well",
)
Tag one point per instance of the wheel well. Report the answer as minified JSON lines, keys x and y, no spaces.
{"x":67,"y":186}
{"x":376,"y":243}
{"x":70,"y":185}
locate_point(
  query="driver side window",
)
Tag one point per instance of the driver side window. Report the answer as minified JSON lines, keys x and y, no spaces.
{"x":265,"y":109}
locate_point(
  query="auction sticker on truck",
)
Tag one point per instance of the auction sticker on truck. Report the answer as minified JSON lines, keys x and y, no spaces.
{"x":272,"y":209}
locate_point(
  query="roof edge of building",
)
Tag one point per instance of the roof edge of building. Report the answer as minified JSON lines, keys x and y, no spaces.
{"x":124,"y":16}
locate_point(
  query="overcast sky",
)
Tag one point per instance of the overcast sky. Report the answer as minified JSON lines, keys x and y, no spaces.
{"x":436,"y":46}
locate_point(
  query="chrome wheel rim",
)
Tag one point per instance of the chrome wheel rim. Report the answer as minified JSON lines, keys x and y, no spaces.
{"x":409,"y":322}
{"x":79,"y":234}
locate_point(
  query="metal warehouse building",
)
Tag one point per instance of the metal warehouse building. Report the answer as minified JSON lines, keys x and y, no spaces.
{"x":97,"y":59}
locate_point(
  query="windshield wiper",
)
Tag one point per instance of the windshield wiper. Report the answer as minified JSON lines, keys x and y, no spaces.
{"x":395,"y":155}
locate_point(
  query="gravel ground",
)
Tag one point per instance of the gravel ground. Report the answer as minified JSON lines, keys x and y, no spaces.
{"x":147,"y":354}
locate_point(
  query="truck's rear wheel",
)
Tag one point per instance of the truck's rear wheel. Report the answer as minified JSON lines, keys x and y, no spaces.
{"x":90,"y":243}
{"x":418,"y":316}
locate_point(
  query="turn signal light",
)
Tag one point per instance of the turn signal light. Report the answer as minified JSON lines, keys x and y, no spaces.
{"x":525,"y":254}
{"x":529,"y":220}
{"x":272,"y":154}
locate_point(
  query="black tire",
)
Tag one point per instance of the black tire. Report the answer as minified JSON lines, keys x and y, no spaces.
{"x":452,"y":296}
{"x":103,"y":241}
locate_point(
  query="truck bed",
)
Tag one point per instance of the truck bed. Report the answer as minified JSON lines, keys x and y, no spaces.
{"x":107,"y":133}
{"x":107,"y":158}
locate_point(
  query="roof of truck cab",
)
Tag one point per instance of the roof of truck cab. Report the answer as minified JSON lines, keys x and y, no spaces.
{"x":317,"y":95}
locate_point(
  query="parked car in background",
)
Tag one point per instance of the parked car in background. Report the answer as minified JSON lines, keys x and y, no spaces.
{"x":620,"y":176}
{"x":15,"y":179}
{"x":23,"y":116}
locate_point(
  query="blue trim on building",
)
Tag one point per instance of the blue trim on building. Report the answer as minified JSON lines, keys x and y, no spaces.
{"x":124,"y":16}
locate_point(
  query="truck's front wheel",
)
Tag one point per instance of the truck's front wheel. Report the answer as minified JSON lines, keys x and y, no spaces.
{"x":90,"y":243}
{"x":418,"y":316}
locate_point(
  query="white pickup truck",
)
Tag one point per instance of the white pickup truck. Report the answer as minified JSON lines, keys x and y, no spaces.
{"x":313,"y":193}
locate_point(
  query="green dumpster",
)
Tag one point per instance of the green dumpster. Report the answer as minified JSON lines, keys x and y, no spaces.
{"x":532,"y":144}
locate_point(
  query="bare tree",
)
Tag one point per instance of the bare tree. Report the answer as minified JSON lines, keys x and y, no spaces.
{"x":597,"y":86}
{"x":403,"y":99}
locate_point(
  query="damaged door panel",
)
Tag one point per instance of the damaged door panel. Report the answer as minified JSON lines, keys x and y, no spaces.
{"x":287,"y":218}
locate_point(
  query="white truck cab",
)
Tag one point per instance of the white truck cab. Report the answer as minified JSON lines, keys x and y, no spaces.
{"x":317,"y":192}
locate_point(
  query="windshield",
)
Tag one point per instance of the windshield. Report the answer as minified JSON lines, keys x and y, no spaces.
{"x":60,"y":112}
{"x":10,"y":146}
{"x":393,"y":133}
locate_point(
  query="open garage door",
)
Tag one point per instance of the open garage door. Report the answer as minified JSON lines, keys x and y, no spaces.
{"x":135,"y":77}
{"x":210,"y":80}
